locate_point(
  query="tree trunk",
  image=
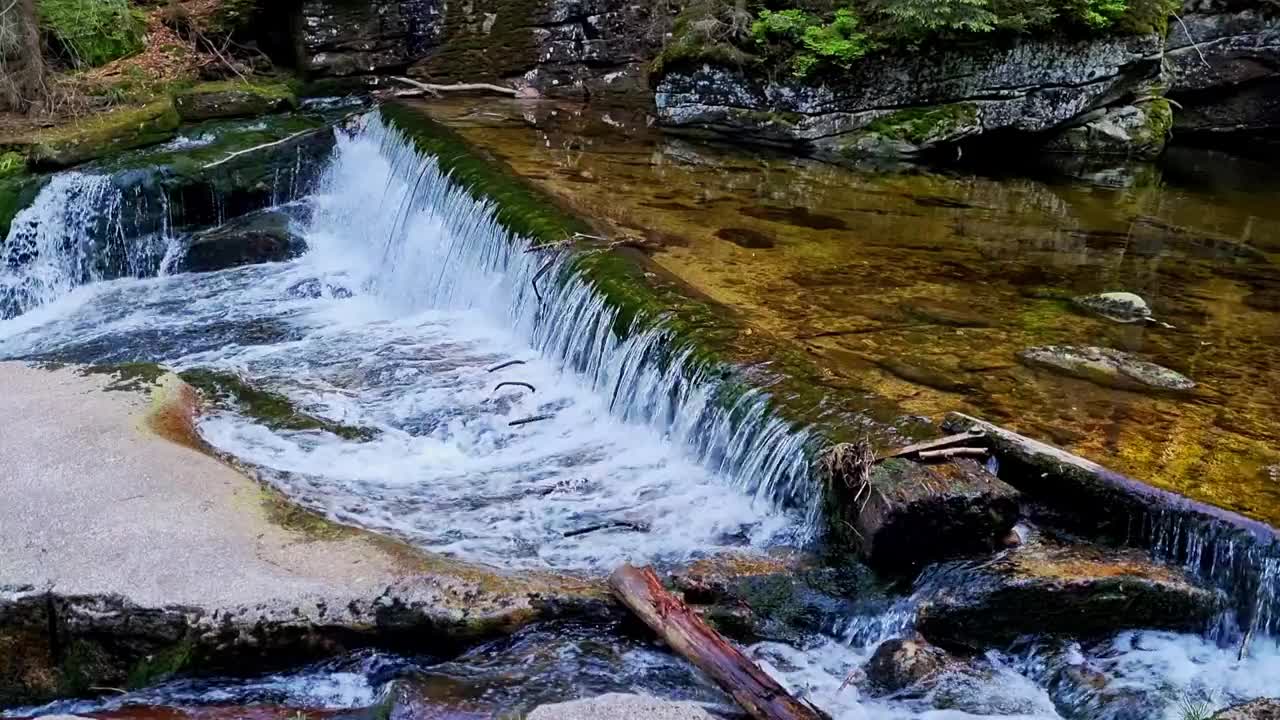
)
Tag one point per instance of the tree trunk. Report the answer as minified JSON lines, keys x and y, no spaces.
{"x":760,"y":695}
{"x":22,"y":85}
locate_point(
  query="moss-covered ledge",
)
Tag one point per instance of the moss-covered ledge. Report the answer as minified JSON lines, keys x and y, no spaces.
{"x":644,"y":296}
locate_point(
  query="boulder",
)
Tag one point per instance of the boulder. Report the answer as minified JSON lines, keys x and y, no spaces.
{"x":232,"y":99}
{"x":1122,"y":307}
{"x":1262,"y":709}
{"x":902,"y":662}
{"x":906,"y":515}
{"x":102,"y":133}
{"x":264,"y":236}
{"x":1138,"y":130}
{"x":904,"y":104}
{"x":1224,"y":61}
{"x":1047,"y":587}
{"x":1107,"y":367}
{"x":620,"y":705}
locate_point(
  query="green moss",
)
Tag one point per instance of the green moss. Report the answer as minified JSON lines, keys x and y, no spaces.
{"x":162,"y":665}
{"x":17,"y":191}
{"x":233,"y":98}
{"x":313,"y":526}
{"x":104,"y":133}
{"x":271,"y":409}
{"x":93,"y":32}
{"x":132,"y":376}
{"x":921,"y":125}
{"x":12,"y":163}
{"x":1159,"y":114}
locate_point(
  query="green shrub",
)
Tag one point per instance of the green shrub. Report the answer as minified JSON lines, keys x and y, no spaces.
{"x":92,"y":32}
{"x":807,"y":43}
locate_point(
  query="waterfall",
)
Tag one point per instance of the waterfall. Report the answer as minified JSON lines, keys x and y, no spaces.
{"x":437,"y":247}
{"x":81,"y":228}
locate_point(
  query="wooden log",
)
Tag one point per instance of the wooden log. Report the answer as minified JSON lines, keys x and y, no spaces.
{"x":686,"y":633}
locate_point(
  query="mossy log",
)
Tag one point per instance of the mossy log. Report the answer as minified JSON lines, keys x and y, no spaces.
{"x":686,"y":633}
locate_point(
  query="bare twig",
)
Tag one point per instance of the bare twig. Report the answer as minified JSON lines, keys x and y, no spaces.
{"x":506,"y":364}
{"x":933,"y":444}
{"x":952,"y":452}
{"x":501,"y":385}
{"x":435,"y":90}
{"x":263,"y":146}
{"x":118,"y":691}
{"x":1192,"y":40}
{"x":542,"y":271}
{"x":526,"y":421}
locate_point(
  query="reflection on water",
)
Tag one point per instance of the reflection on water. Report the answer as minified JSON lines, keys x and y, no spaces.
{"x":922,"y":288}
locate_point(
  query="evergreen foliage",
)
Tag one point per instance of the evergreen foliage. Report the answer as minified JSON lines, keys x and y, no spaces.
{"x":92,"y":32}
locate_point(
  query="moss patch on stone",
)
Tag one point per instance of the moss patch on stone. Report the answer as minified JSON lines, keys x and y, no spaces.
{"x":269,"y":408}
{"x":17,"y":191}
{"x":923,"y":125}
{"x":132,"y":376}
{"x":162,"y":665}
{"x":313,"y":526}
{"x":101,"y":134}
{"x":233,"y":98}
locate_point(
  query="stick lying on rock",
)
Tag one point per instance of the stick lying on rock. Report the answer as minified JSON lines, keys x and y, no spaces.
{"x":435,"y":90}
{"x":686,"y":633}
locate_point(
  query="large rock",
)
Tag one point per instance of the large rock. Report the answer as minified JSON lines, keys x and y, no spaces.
{"x":232,"y":99}
{"x":1264,"y":709}
{"x":1138,"y":130}
{"x":1049,"y":588}
{"x":907,"y":515}
{"x":264,"y":236}
{"x":1123,"y":307}
{"x":908,"y":103}
{"x":1107,"y":367}
{"x":1224,"y":59}
{"x":619,"y":705}
{"x":259,"y":579}
{"x":598,"y":47}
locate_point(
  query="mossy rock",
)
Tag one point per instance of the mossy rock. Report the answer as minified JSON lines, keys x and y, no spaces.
{"x":233,"y":98}
{"x":93,"y":32}
{"x":910,"y":131}
{"x":102,"y":134}
{"x":269,"y":408}
{"x":17,"y":191}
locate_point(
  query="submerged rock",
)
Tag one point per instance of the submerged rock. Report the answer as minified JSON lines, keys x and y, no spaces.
{"x":264,"y":236}
{"x":1119,"y":306}
{"x":1049,"y":588}
{"x":1263,"y":709}
{"x":1107,"y":367}
{"x":906,"y":515}
{"x":620,"y":705}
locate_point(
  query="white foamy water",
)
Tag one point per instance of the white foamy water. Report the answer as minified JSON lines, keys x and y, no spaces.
{"x":409,"y":293}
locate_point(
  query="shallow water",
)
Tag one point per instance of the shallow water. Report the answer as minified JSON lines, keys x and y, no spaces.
{"x":920,"y":288}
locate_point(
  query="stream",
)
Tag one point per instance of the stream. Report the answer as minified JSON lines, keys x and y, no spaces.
{"x":408,"y":312}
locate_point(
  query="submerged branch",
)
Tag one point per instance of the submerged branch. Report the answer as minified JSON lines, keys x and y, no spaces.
{"x":617,"y":524}
{"x":526,"y":421}
{"x":516,"y":383}
{"x":506,"y":364}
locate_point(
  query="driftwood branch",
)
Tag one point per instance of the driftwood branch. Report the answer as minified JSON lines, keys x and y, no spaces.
{"x":263,"y":146}
{"x":952,"y":452}
{"x":922,"y":447}
{"x":686,"y":633}
{"x":435,"y":90}
{"x":506,"y":364}
{"x":541,"y":271}
{"x":515,"y":383}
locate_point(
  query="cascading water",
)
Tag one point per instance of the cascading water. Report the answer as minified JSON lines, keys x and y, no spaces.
{"x":80,"y":229}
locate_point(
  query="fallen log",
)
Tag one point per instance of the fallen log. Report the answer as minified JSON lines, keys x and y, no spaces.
{"x":686,"y":633}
